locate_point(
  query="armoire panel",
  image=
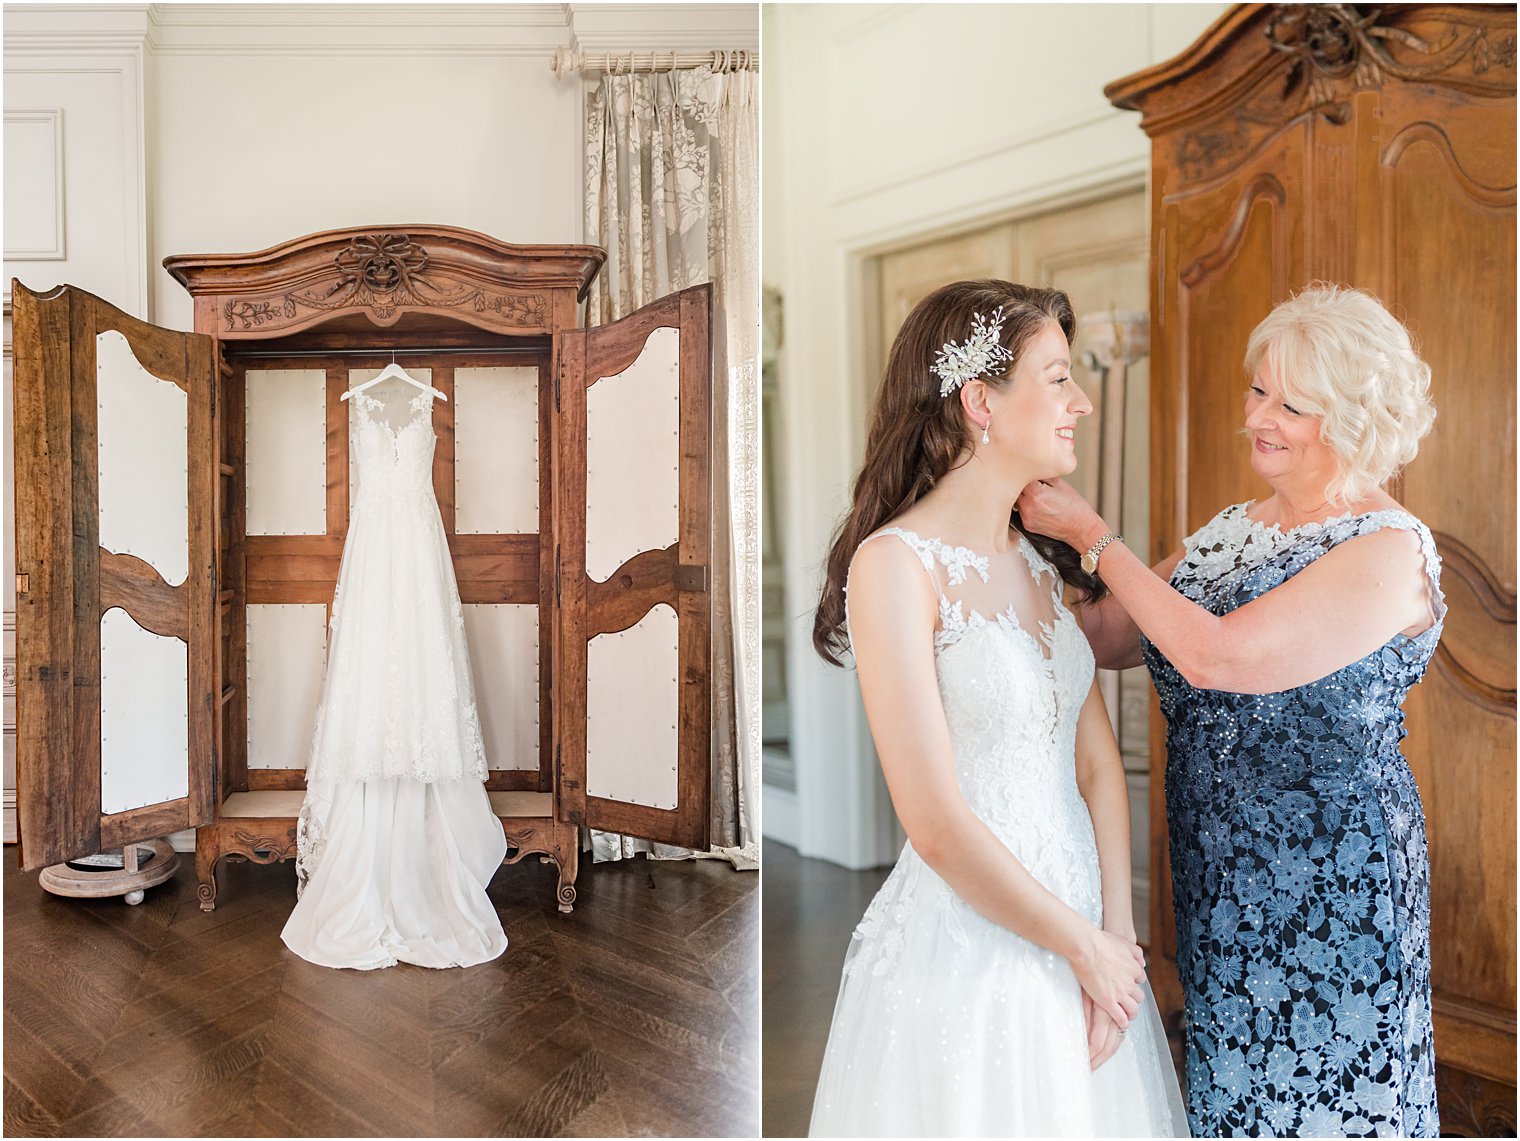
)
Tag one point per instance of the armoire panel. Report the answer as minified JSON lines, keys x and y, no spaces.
{"x":633,"y":710}
{"x":142,"y":450}
{"x":286,"y":449}
{"x":1470,"y":939}
{"x":1231,"y":274}
{"x":496,"y":444}
{"x":287,"y":650}
{"x":144,"y":715}
{"x":1426,"y":191}
{"x":503,"y":641}
{"x":633,"y":422}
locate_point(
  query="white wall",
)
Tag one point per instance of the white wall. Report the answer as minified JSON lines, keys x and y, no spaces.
{"x":255,"y":145}
{"x":885,"y":123}
{"x":213,"y":128}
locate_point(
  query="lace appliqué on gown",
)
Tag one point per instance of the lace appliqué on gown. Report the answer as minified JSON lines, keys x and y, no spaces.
{"x":948,"y":1024}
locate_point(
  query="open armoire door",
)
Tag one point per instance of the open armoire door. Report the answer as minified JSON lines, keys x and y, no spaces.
{"x":634,"y":476}
{"x":117,"y":697}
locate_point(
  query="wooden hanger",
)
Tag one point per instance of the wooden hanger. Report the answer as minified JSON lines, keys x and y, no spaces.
{"x":394,"y":370}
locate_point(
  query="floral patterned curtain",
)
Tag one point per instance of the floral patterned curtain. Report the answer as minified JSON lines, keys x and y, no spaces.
{"x":672,"y":193}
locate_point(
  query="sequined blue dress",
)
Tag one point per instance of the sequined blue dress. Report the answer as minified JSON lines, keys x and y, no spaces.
{"x":1300,"y":874}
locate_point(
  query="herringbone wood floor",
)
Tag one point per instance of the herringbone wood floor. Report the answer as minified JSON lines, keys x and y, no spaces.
{"x":636,"y":1015}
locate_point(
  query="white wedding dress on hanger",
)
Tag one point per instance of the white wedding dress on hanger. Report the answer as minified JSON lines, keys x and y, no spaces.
{"x":947,"y":1024}
{"x":396,"y":840}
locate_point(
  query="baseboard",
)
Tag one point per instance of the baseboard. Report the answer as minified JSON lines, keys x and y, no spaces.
{"x":10,"y":816}
{"x":183,"y":841}
{"x":780,"y":818}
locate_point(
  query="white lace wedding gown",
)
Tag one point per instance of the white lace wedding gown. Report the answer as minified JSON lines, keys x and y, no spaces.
{"x":396,"y":840}
{"x":948,"y":1024}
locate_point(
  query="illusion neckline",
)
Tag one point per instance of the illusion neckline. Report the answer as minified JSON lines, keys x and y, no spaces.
{"x":420,"y":402}
{"x":1021,"y":544}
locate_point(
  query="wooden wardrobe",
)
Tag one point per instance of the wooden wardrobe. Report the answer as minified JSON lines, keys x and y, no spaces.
{"x":179,"y":492}
{"x":1373,"y":147}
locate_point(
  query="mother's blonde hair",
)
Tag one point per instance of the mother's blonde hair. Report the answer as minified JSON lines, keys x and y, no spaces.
{"x":1337,"y":353}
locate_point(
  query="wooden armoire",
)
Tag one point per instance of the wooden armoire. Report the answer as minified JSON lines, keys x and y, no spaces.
{"x":1372,"y":146}
{"x":182,"y":501}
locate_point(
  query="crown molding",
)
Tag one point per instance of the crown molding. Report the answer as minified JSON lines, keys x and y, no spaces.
{"x":75,"y":28}
{"x":533,"y":30}
{"x":665,"y":27}
{"x":358,"y":29}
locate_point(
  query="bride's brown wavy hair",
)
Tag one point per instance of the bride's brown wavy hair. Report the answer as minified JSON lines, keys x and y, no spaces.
{"x":917,"y":435}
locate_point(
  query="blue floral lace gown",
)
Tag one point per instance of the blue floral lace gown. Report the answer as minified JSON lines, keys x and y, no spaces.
{"x":1299,"y":868}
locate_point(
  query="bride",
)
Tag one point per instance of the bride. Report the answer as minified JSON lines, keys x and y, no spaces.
{"x":994,"y":986}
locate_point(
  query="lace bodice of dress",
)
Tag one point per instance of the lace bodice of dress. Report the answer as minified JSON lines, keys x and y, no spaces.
{"x":1233,"y":559}
{"x":1012,"y":686}
{"x":393,"y":444}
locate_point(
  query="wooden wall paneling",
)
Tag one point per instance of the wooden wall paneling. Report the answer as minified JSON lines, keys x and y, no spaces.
{"x":1274,"y":166}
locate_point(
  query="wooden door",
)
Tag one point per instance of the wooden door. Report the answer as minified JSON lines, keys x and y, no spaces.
{"x":634,"y":480}
{"x":116,"y":695}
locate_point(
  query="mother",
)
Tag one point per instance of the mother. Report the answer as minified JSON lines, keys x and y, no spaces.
{"x":1282,"y":640}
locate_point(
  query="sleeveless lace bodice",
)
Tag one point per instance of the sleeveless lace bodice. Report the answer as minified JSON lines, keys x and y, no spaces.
{"x":392,"y":460}
{"x":1012,"y":688}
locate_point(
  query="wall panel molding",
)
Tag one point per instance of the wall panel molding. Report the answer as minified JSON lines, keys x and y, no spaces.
{"x":34,"y":222}
{"x":94,"y":78}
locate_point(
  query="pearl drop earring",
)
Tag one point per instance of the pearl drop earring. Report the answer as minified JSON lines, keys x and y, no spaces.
{"x":986,"y":439}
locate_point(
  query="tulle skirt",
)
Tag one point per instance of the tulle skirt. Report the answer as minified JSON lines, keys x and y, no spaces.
{"x":948,"y":1025}
{"x":398,"y":870}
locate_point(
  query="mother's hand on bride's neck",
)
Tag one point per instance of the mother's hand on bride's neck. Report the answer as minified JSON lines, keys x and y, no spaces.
{"x":1053,"y":507}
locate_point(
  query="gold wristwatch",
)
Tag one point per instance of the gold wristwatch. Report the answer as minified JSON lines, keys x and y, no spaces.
{"x":1090,"y":559}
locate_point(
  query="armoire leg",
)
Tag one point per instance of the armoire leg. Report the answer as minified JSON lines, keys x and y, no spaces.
{"x":567,"y":853}
{"x":207,"y":853}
